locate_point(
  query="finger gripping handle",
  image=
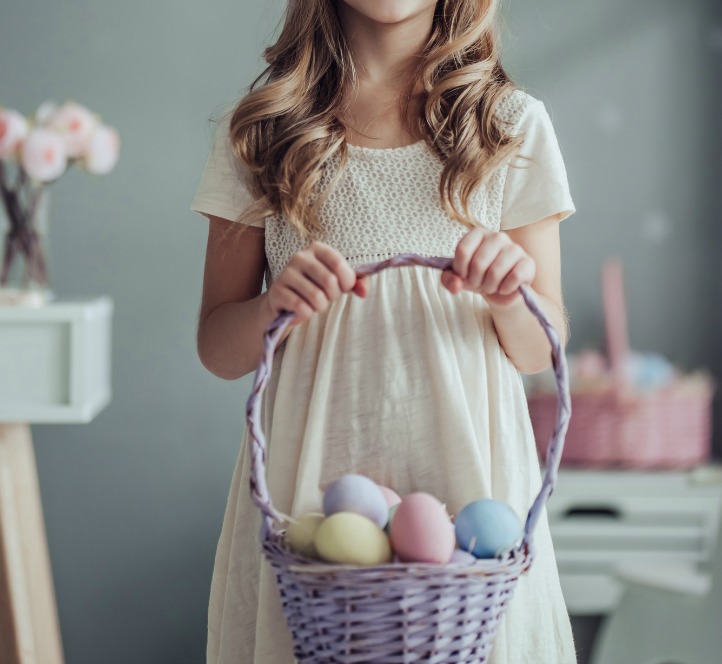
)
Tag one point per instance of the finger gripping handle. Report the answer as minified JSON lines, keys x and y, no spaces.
{"x":274,"y":333}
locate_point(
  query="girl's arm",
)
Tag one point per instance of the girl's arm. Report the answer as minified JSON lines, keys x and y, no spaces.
{"x":233,"y":313}
{"x":518,"y":330}
{"x":494,"y":264}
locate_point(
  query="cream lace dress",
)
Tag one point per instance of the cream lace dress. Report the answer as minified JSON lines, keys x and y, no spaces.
{"x":409,"y":386}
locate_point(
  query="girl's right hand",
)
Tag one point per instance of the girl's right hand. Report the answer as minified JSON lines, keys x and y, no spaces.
{"x":313,"y":278}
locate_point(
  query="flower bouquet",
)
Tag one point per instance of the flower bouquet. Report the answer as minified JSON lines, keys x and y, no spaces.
{"x":40,"y":149}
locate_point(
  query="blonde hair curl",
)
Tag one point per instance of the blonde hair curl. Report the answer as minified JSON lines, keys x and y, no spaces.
{"x":285,"y":132}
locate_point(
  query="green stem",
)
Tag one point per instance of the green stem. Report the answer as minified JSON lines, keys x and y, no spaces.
{"x":34,"y":197}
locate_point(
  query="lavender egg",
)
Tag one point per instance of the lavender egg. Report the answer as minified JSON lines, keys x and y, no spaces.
{"x":462,"y":557}
{"x":359,"y":494}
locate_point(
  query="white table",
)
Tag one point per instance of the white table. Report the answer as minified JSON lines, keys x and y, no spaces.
{"x":54,"y":367}
{"x":600,"y":519}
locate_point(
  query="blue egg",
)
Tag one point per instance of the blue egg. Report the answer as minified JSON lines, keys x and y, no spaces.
{"x":487,"y":528}
{"x":359,"y":494}
{"x":648,"y":371}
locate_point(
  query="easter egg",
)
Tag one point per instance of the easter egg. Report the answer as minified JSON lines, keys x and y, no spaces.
{"x":300,"y":535}
{"x":392,"y":498}
{"x":421,"y":530}
{"x":392,"y":511}
{"x":356,"y":493}
{"x":462,"y":557}
{"x":347,"y":537}
{"x":487,"y":528}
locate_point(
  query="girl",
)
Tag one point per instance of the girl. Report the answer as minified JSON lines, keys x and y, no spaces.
{"x":383,"y":127}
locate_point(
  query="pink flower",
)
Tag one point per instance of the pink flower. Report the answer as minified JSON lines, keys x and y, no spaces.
{"x":43,"y":154}
{"x":76,"y":123}
{"x":102,"y":152}
{"x":13,"y":129}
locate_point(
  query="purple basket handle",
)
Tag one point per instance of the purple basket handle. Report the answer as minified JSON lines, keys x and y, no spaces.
{"x":275,"y":330}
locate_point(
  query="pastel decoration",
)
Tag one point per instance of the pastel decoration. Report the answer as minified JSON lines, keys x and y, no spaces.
{"x":13,"y":129}
{"x":462,"y":557}
{"x":300,"y":534}
{"x":75,"y":123}
{"x":590,"y":365}
{"x":359,"y":494}
{"x":421,"y":530}
{"x":392,"y":498}
{"x":648,"y":371}
{"x":392,"y":511}
{"x":102,"y":151}
{"x":43,"y":156}
{"x":487,"y":528}
{"x":350,"y":538}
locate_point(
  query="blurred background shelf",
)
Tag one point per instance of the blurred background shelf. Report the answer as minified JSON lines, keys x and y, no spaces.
{"x":55,"y":361}
{"x":601,"y":520}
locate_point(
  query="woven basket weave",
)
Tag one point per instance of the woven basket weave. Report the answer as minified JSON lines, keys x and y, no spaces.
{"x":395,"y":612}
{"x":668,"y":427}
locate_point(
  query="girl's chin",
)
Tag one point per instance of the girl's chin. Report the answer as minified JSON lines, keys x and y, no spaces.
{"x":389,"y":12}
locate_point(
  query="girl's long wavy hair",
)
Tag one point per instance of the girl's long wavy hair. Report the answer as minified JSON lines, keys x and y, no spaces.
{"x":286,"y":131}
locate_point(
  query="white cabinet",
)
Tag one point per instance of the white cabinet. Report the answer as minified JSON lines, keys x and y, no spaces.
{"x":55,"y":361}
{"x":600,"y":519}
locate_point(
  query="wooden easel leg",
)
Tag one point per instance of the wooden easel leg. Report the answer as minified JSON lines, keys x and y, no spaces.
{"x":29,"y":629}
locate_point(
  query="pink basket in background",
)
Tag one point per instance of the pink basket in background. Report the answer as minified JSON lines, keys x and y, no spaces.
{"x":619,"y":425}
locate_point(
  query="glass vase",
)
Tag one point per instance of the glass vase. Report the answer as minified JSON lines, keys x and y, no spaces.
{"x":24,"y":278}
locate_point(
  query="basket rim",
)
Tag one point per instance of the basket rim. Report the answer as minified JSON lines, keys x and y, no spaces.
{"x":295,"y":562}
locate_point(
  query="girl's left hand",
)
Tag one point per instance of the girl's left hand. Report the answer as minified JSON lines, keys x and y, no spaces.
{"x":491,"y":264}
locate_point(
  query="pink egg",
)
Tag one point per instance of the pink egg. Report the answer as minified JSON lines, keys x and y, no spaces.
{"x":392,"y":498}
{"x":421,"y":530}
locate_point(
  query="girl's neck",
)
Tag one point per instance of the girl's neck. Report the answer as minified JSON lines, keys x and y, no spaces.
{"x":385,"y":53}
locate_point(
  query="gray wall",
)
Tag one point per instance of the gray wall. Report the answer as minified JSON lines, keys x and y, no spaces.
{"x":134,"y":500}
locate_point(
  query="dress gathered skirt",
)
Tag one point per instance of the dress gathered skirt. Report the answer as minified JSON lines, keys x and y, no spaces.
{"x":411,"y":388}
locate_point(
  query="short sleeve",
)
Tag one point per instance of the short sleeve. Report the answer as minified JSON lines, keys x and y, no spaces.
{"x":539,"y":188}
{"x":221,"y":190}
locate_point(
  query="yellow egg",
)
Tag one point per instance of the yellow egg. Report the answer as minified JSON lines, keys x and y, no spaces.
{"x":347,"y":537}
{"x":299,"y":536}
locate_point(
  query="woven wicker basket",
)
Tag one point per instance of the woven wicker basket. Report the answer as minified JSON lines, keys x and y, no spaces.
{"x":399,"y":612}
{"x":668,"y":429}
{"x":621,"y":426}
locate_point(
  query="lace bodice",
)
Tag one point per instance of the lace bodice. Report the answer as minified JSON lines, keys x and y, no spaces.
{"x":387,"y":202}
